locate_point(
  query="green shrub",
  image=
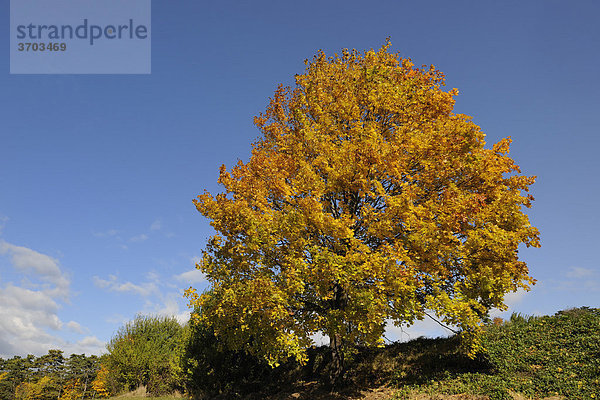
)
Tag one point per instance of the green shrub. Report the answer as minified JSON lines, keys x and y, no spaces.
{"x":143,"y":353}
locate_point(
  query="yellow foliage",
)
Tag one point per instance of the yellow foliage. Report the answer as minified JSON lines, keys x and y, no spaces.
{"x":33,"y":390}
{"x":72,"y":390}
{"x":100,"y":384}
{"x":366,"y":199}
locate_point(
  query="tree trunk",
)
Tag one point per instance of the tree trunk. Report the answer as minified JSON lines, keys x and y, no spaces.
{"x":336,"y":339}
{"x":84,"y":386}
{"x":337,"y":360}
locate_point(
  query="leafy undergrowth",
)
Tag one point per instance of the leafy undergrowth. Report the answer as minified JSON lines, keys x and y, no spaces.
{"x":553,"y":357}
{"x":530,"y":357}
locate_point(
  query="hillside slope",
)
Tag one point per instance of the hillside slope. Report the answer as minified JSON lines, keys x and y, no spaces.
{"x":550,"y":357}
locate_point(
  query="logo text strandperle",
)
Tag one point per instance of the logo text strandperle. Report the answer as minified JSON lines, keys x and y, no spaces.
{"x":83,"y":31}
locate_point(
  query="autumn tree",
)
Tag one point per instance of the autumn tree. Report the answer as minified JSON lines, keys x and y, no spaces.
{"x":42,"y":389}
{"x":365,"y":200}
{"x":101,"y":384}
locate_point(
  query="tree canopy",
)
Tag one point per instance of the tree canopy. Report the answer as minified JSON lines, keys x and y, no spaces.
{"x":365,"y":199}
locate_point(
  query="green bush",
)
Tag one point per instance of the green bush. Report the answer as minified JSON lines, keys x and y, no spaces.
{"x":143,"y":353}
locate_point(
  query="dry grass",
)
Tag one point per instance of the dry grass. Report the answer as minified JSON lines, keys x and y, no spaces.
{"x":311,"y":391}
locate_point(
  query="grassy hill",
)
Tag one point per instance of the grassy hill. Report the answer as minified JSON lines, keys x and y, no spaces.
{"x":550,"y":357}
{"x":525,"y":358}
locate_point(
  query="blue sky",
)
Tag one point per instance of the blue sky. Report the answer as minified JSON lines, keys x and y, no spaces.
{"x":98,"y":172}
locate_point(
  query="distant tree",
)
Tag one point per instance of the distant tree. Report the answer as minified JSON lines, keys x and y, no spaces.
{"x":43,"y":388}
{"x":15,"y":371}
{"x":81,"y":370}
{"x":51,"y":365}
{"x":72,"y":390}
{"x":5,"y":389}
{"x":142,"y":353}
{"x":366,"y":199}
{"x":23,"y":376}
{"x":101,"y":383}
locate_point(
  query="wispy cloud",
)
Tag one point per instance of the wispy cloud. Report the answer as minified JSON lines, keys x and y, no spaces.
{"x":578,"y":272}
{"x":153,"y":276}
{"x":89,"y":345}
{"x":3,"y":221}
{"x":193,"y":276}
{"x":161,"y":297}
{"x":121,"y":237}
{"x":169,"y":305}
{"x":156,"y":225}
{"x":144,"y":289}
{"x":75,"y":327}
{"x":511,"y":299}
{"x":38,"y":265}
{"x":139,"y":238}
{"x":108,"y":233}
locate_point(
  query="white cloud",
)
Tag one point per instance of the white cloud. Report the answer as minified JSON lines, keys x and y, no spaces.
{"x":75,"y":327}
{"x":158,"y":301}
{"x":117,"y":319}
{"x":578,"y":272}
{"x":160,"y":295}
{"x":156,"y":225}
{"x":139,"y":238}
{"x":88,"y":345}
{"x":40,"y":265}
{"x":142,"y":237}
{"x":29,"y":321}
{"x":403,"y":333}
{"x":102,"y":283}
{"x":513,"y":298}
{"x":26,"y":313}
{"x":91,"y":341}
{"x":144,"y":289}
{"x":153,"y":276}
{"x":426,"y":327}
{"x":193,"y":276}
{"x":3,"y":221}
{"x":170,"y":307}
{"x":28,"y":299}
{"x":108,"y":233}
